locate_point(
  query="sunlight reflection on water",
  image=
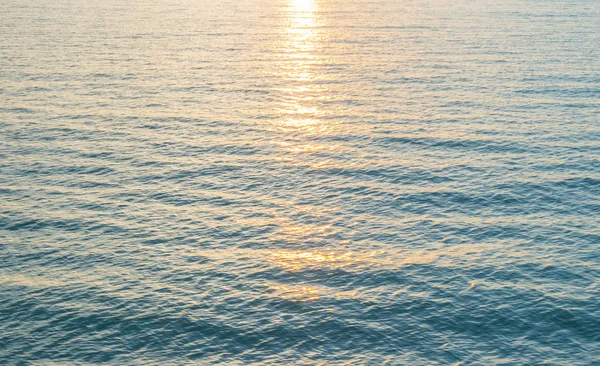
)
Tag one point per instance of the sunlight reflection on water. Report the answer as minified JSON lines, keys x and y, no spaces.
{"x":300,"y":67}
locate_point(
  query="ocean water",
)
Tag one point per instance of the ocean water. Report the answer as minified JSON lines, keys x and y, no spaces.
{"x":311,"y":182}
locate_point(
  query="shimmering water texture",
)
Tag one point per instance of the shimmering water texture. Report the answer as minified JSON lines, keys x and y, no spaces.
{"x":311,"y":182}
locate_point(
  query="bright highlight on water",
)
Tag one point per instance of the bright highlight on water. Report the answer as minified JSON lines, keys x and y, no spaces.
{"x":300,"y":182}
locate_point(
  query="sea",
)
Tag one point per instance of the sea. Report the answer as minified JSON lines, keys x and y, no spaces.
{"x":300,"y":182}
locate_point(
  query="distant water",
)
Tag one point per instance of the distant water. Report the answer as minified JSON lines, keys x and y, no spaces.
{"x":325,"y":182}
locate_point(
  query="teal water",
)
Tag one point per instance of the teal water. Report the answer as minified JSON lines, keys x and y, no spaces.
{"x":278,"y":182}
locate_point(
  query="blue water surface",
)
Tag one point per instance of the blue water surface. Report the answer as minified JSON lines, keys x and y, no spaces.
{"x":311,"y":182}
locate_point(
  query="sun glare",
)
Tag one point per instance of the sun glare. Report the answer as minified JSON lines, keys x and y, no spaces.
{"x":304,"y":5}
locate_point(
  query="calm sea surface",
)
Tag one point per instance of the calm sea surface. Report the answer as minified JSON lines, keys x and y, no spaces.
{"x":312,"y":182}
